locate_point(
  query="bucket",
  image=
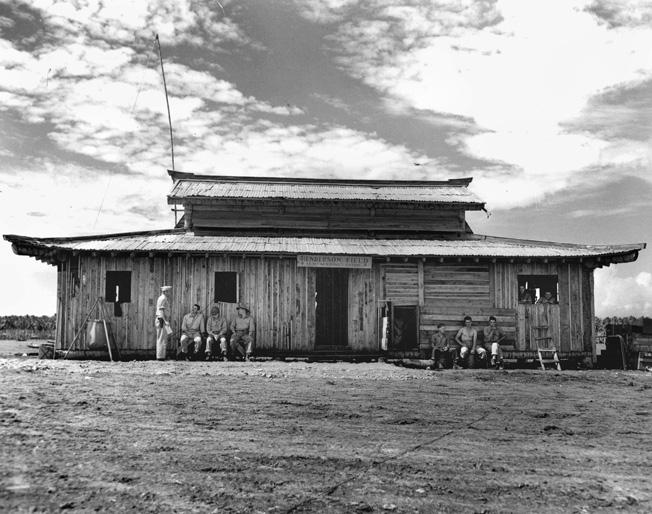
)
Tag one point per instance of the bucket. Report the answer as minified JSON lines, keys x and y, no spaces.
{"x":46,"y":351}
{"x":96,"y":335}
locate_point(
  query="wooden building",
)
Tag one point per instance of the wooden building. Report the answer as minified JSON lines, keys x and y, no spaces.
{"x":357,"y":268}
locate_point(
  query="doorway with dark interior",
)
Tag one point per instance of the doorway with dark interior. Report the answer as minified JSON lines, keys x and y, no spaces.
{"x":332,"y":304}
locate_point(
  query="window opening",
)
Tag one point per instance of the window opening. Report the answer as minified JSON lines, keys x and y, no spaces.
{"x":118,"y":289}
{"x":532,"y":288}
{"x":227,"y":286}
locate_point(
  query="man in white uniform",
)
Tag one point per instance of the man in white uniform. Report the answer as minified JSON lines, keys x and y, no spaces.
{"x":162,"y":322}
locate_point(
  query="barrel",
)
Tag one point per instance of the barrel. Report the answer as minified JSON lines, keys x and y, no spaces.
{"x":46,"y":351}
{"x":96,"y":336}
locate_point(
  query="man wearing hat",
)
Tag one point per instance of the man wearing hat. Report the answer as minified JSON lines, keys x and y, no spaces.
{"x":162,"y":322}
{"x":192,"y":327}
{"x":243,"y":329}
{"x":216,"y":327}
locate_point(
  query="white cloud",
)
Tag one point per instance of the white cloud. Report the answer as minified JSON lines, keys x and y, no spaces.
{"x":324,"y":11}
{"x":520,"y":71}
{"x":622,"y":296}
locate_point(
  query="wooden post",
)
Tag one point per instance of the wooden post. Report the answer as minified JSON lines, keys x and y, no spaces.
{"x":420,"y":283}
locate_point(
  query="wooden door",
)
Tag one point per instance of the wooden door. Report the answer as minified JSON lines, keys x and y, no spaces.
{"x":332,"y":303}
{"x":538,"y":315}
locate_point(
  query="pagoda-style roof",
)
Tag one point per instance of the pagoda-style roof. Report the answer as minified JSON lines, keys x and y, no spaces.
{"x":191,"y":188}
{"x":465,"y":246}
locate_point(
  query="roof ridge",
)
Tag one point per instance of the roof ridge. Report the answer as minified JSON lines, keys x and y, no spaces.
{"x":454,"y":182}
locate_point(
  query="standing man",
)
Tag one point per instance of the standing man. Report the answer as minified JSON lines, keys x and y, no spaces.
{"x":493,"y":336}
{"x":162,"y":322}
{"x":216,"y":327}
{"x":243,"y":329}
{"x":191,"y":329}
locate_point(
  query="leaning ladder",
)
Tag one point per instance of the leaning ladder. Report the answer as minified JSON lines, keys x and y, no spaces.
{"x":547,"y":351}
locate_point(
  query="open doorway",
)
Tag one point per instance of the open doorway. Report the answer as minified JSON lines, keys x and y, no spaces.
{"x":404,"y":327}
{"x":332,"y":305}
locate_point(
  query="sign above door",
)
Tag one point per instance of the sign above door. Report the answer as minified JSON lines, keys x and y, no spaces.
{"x":334,"y":261}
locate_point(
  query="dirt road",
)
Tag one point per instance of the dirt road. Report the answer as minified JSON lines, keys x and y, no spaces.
{"x":281,"y":437}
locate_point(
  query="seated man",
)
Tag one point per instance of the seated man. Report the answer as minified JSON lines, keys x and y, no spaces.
{"x":493,"y":336}
{"x":547,"y":298}
{"x":444,"y":352}
{"x":191,"y":329}
{"x":243,"y":329}
{"x":216,"y":326}
{"x":467,"y":338}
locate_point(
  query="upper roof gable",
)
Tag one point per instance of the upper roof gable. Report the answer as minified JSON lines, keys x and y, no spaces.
{"x":455,"y":192}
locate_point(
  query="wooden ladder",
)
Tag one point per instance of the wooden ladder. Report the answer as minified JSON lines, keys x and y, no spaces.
{"x":547,"y":351}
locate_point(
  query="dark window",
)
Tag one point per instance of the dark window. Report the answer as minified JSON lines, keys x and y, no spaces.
{"x":537,"y":285}
{"x":226,"y":286}
{"x":118,"y":286}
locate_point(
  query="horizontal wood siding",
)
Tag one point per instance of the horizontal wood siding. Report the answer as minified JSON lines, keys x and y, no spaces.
{"x":326,"y":217}
{"x":401,"y":283}
{"x":447,"y":285}
{"x":453,"y":318}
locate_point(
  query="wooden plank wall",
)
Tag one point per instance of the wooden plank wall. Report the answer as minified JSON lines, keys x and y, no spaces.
{"x":588,"y":311}
{"x":280,"y":295}
{"x":453,"y":318}
{"x":456,"y":290}
{"x":401,"y":283}
{"x":575,"y":297}
{"x":537,"y":315}
{"x":503,"y":277}
{"x":363,"y":309}
{"x":326,"y":216}
{"x":448,"y":285}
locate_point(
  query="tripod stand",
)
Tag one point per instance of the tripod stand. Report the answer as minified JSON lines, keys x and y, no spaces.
{"x":102,"y":315}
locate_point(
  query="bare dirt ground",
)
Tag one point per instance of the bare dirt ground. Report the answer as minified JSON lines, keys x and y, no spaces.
{"x":282,"y":437}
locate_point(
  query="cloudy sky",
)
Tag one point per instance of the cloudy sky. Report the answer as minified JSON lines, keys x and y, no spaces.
{"x":546,"y":104}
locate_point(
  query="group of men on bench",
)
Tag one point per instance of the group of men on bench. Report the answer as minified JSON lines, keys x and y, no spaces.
{"x":447,"y":353}
{"x":216,"y":328}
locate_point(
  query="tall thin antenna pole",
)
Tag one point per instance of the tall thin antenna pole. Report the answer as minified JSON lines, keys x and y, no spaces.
{"x":166,"y":99}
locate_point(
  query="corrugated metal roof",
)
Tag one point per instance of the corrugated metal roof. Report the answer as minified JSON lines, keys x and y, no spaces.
{"x":457,"y":194}
{"x":471,"y":245}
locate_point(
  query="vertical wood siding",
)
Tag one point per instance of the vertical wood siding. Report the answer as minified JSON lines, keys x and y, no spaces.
{"x":363,"y":310}
{"x":281,"y":297}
